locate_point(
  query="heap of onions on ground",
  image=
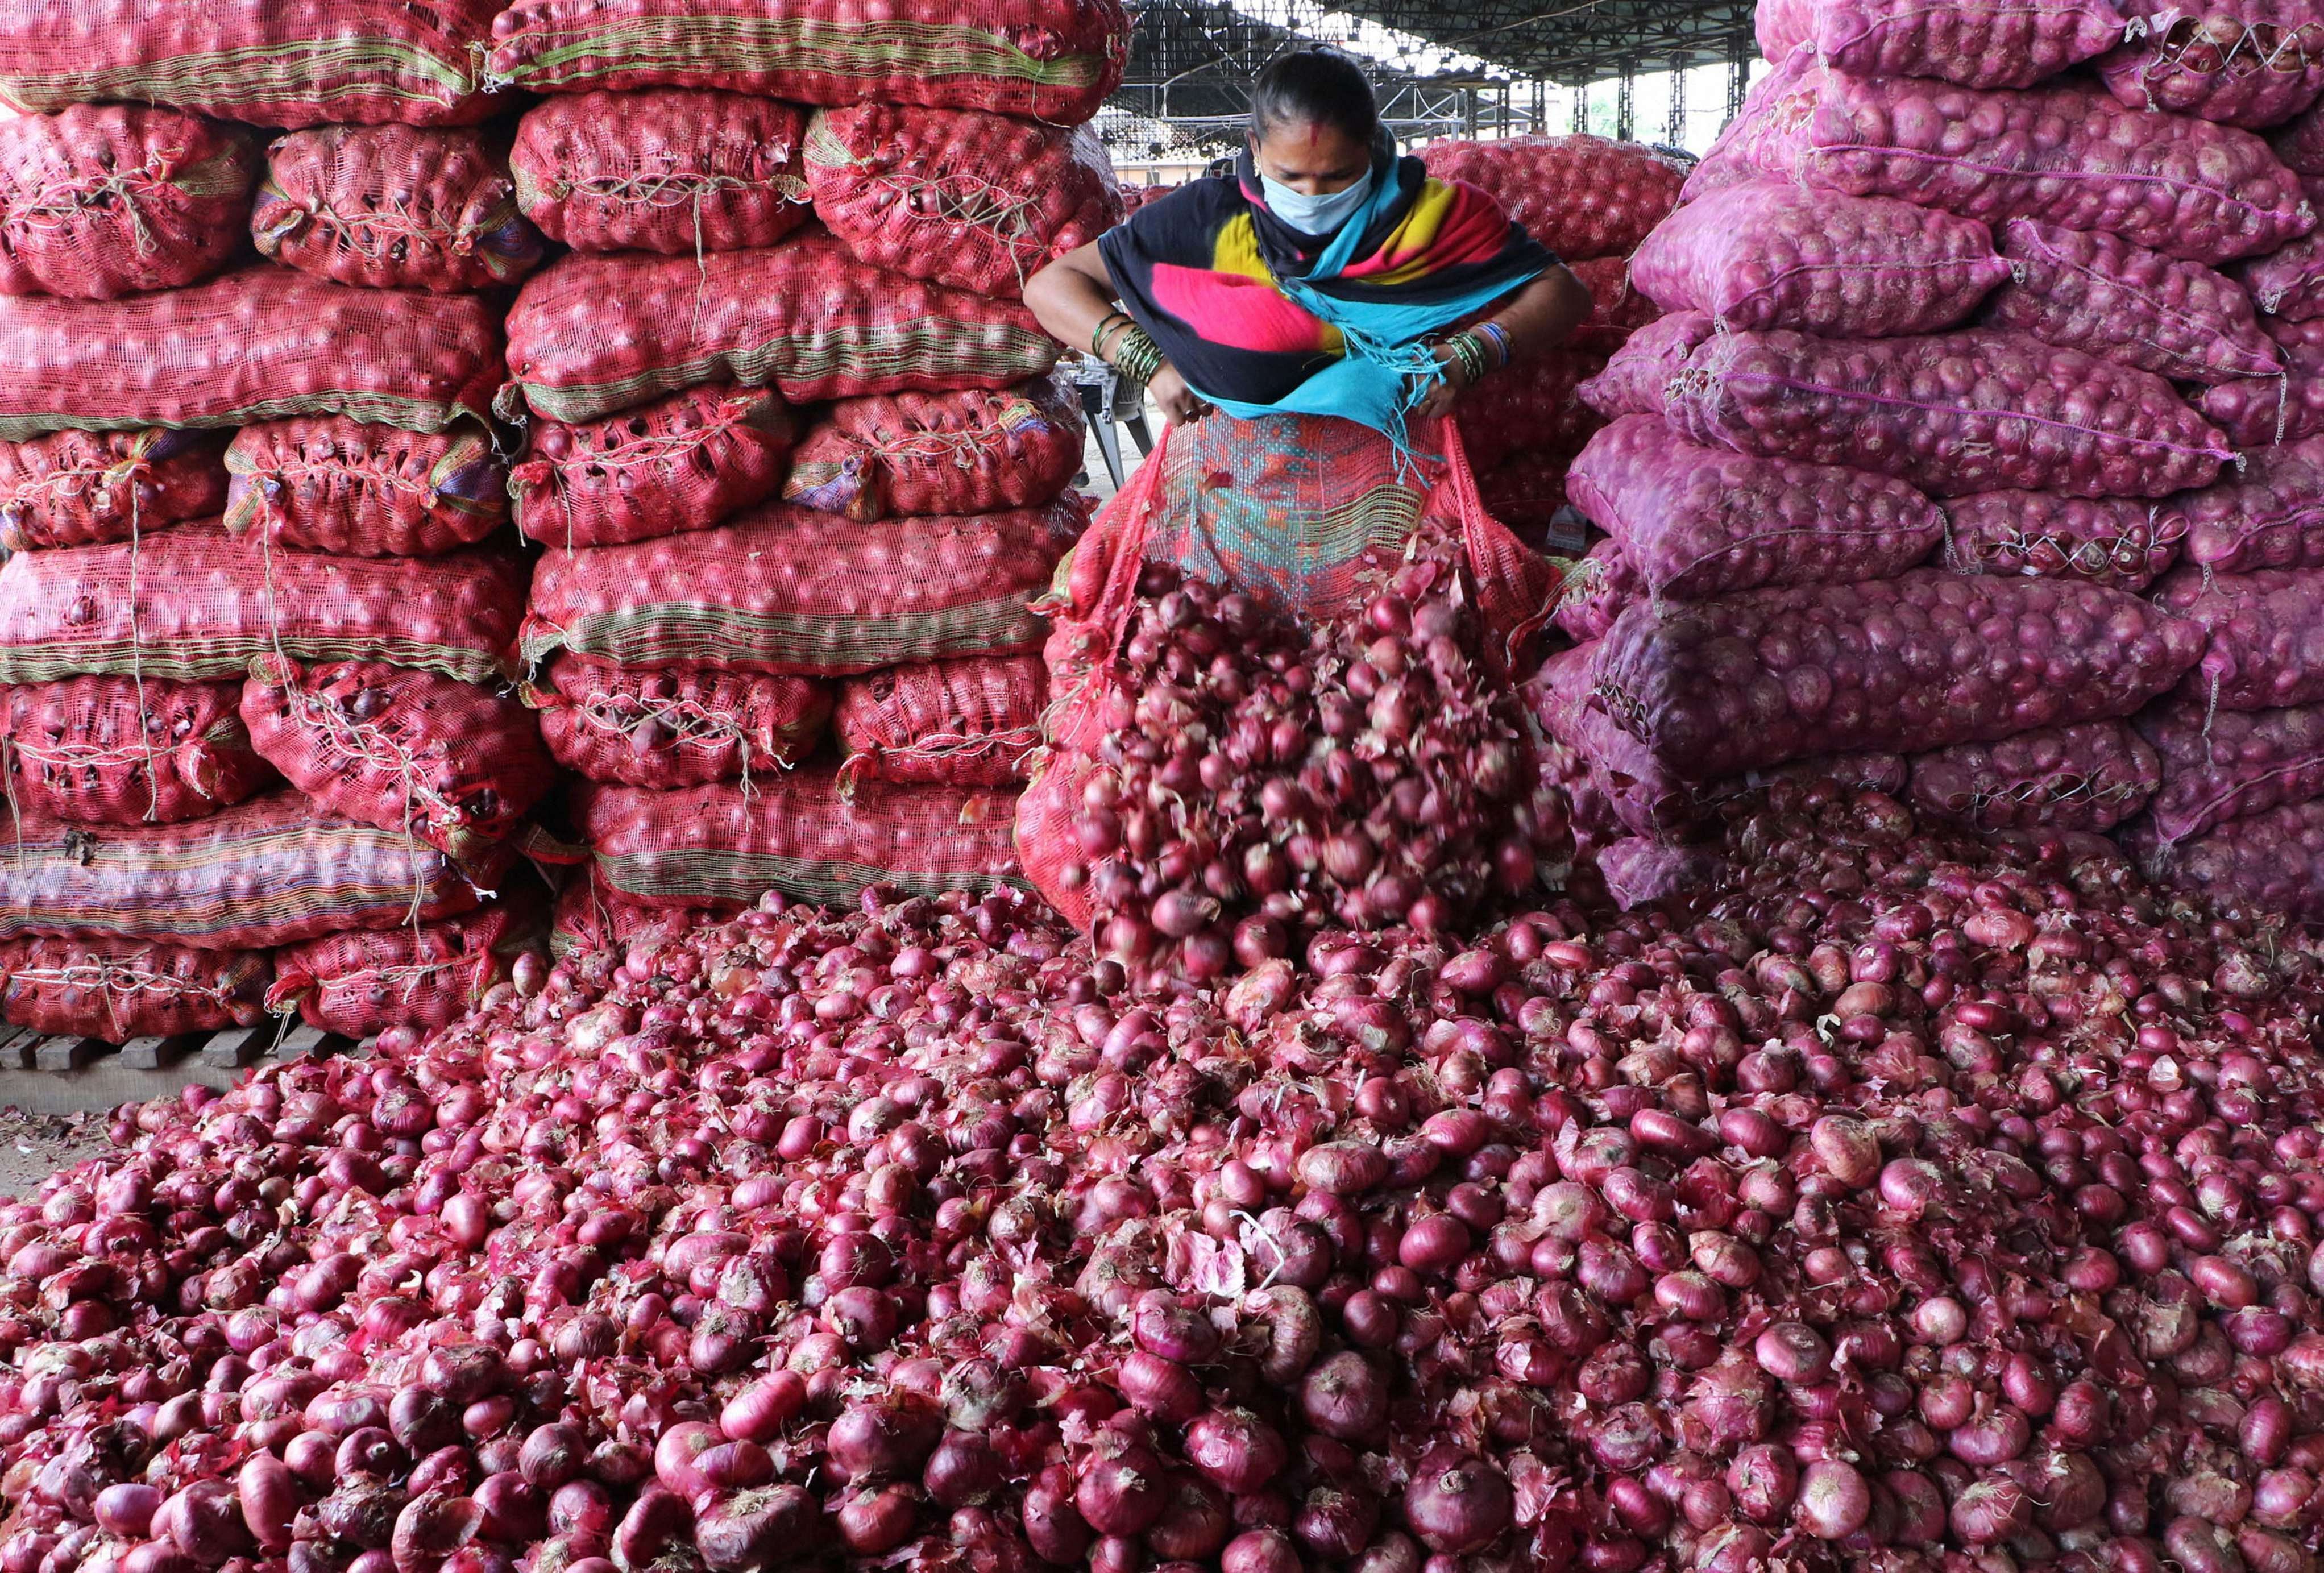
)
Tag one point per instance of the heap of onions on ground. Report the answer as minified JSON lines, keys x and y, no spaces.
{"x":1928,"y":1205}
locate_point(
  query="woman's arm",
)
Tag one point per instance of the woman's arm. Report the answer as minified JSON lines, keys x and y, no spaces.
{"x":1538,"y":318}
{"x":1073,"y":295}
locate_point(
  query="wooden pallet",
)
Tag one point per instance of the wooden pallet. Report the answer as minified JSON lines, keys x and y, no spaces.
{"x":43,"y":1073}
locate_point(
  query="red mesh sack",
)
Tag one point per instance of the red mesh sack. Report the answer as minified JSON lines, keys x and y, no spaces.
{"x":394,"y":209}
{"x":2219,"y":764}
{"x":1528,"y":493}
{"x":671,"y":728}
{"x":119,"y":989}
{"x":194,"y":603}
{"x":2265,"y":633}
{"x":425,"y":978}
{"x":1926,"y":660}
{"x":113,"y":750}
{"x":1534,"y":407}
{"x":451,"y":763}
{"x":590,"y":335}
{"x":1046,"y":60}
{"x":2125,"y":542}
{"x":1951,"y":413}
{"x":1638,"y":376}
{"x":2253,"y":63}
{"x":1767,"y":254}
{"x":944,"y":723}
{"x":589,"y":917}
{"x":266,"y":872}
{"x":2090,"y":776}
{"x":2267,"y":514}
{"x":1292,"y":570}
{"x":911,"y":454}
{"x":670,"y":171}
{"x":981,"y":202}
{"x":328,"y":483}
{"x":686,"y":462}
{"x":1596,"y":591}
{"x":85,"y":488}
{"x":2105,"y":296}
{"x":1978,"y":44}
{"x":260,"y":343}
{"x":2261,"y":412}
{"x":1286,"y":507}
{"x":1617,"y":307}
{"x":103,"y":200}
{"x":797,"y":834}
{"x":781,"y":591}
{"x":2266,"y":863}
{"x":1581,"y":196}
{"x":269,"y":62}
{"x":1696,"y":523}
{"x":2068,"y":156}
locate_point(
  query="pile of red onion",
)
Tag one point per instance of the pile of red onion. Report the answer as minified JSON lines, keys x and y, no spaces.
{"x":1925,"y":1205}
{"x":1258,"y":779}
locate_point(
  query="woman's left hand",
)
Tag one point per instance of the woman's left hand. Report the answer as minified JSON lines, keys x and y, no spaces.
{"x":1451,"y":383}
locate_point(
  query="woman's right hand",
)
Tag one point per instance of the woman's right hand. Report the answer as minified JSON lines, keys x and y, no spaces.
{"x":1181,"y":405}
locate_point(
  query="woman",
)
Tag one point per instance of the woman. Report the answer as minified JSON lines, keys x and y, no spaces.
{"x":1327,"y":278}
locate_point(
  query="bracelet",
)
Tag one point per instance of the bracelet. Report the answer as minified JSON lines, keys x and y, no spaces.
{"x":1136,"y":356}
{"x":1110,"y":320}
{"x":1501,"y":338}
{"x":1469,"y":350}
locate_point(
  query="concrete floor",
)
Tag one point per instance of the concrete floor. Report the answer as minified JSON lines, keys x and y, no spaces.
{"x":32,"y":1146}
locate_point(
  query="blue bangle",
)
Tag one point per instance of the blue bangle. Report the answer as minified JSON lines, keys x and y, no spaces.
{"x":1501,"y":338}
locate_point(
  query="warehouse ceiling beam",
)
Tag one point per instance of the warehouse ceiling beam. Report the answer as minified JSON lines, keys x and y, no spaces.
{"x":1572,"y":42}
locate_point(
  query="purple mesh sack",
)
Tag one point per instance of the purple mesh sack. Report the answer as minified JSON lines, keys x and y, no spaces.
{"x":2268,"y":514}
{"x":2290,"y":280}
{"x":1951,"y":413}
{"x":1978,"y":44}
{"x":2261,"y":412}
{"x":2068,"y":156}
{"x":1767,"y":254}
{"x":2270,"y":862}
{"x":1595,"y":591}
{"x":2264,"y":633}
{"x":2101,"y":295}
{"x":2300,"y":143}
{"x":1641,"y":873}
{"x":1926,"y":660}
{"x":2089,"y":776}
{"x":1696,"y":523}
{"x":2123,"y":542}
{"x":2228,"y":764}
{"x":1635,"y":379}
{"x":1646,"y":798}
{"x":2253,"y":63}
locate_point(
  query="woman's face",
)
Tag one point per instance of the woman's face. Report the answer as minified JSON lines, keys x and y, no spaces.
{"x":1313,"y":159}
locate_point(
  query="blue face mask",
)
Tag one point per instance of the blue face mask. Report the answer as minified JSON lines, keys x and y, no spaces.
{"x":1321,"y":215}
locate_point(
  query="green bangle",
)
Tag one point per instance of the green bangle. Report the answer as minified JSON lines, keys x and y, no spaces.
{"x":1136,"y":356}
{"x":1105,"y":323}
{"x":1470,"y":353}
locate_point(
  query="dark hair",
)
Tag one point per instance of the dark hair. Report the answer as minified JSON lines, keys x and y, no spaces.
{"x":1314,"y":87}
